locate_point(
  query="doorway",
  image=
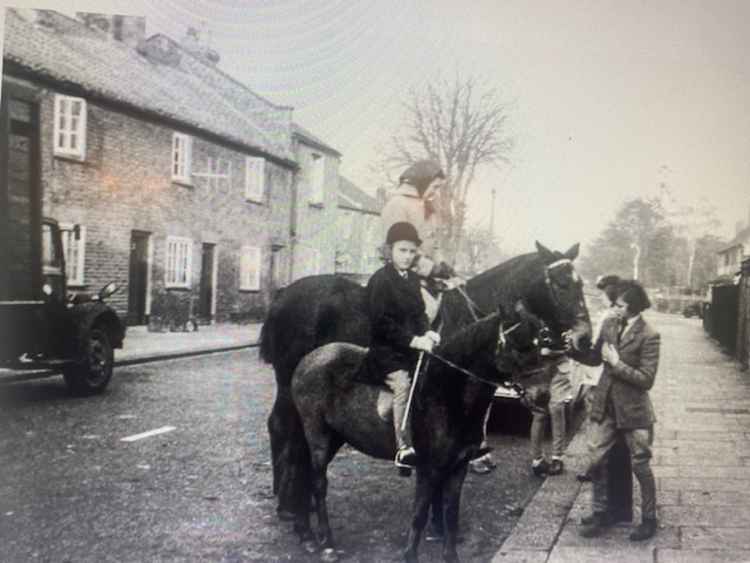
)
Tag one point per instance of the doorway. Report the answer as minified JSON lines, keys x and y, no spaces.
{"x":138,"y":277}
{"x":208,"y":274}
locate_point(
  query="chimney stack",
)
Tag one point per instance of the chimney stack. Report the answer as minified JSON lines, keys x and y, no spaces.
{"x":130,"y":30}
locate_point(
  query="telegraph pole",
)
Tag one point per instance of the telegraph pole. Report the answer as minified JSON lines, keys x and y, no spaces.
{"x":492,"y":214}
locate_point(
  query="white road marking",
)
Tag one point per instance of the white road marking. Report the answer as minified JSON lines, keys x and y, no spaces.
{"x":154,"y":432}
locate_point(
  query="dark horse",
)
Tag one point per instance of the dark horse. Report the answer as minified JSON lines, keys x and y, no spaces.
{"x":321,"y":309}
{"x":335,"y":408}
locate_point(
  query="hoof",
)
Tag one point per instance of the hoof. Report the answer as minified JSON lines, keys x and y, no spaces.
{"x":310,"y":546}
{"x":329,"y":555}
{"x":404,"y":472}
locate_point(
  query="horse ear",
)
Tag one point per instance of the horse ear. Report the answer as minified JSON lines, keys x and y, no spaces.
{"x":572,"y":252}
{"x":547,"y":255}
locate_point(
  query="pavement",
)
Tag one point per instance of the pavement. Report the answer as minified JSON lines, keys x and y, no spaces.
{"x":141,"y":346}
{"x":701,"y":463}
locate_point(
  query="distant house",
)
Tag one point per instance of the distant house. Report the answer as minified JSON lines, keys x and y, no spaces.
{"x":178,"y":178}
{"x":360,"y":232}
{"x":731,"y":255}
{"x":314,"y":213}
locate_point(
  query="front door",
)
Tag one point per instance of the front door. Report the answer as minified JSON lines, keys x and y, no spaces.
{"x":138,"y":278}
{"x":205,"y":310}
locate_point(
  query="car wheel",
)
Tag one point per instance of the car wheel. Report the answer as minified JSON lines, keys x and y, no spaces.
{"x":91,"y":373}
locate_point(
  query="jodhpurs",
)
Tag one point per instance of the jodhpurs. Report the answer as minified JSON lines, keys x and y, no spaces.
{"x":602,"y":436}
{"x":560,"y":392}
{"x":400,"y":383}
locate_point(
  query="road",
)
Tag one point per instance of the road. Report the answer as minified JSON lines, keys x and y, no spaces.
{"x":200,"y":487}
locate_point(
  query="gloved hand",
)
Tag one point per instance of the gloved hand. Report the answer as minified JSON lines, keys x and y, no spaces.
{"x":453,"y":283}
{"x":434,"y":336}
{"x":423,"y":342}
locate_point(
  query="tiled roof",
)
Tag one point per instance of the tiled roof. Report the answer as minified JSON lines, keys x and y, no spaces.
{"x":191,"y":92}
{"x":351,"y":197}
{"x":742,"y":237}
{"x":307,"y":136}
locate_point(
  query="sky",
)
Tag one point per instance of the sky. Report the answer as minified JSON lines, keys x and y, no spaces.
{"x":606,"y":99}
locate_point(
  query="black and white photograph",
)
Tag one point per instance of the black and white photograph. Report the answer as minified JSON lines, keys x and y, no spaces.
{"x":363,"y":282}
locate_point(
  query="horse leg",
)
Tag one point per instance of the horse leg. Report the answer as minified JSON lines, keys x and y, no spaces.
{"x":322,"y":449}
{"x":422,"y":498}
{"x":452,"y":492}
{"x":436,"y":531}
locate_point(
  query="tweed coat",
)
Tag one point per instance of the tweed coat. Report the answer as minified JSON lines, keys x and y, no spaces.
{"x":625,"y":385}
{"x":406,"y":205}
{"x":397,"y":314}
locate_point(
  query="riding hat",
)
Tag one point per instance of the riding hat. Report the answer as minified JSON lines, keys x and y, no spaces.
{"x":421,"y":174}
{"x":402,"y":231}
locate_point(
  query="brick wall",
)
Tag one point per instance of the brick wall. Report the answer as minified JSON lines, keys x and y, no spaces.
{"x":125,"y":184}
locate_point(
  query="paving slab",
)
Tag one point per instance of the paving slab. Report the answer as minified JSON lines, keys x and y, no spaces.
{"x":702,"y":537}
{"x":704,"y":556}
{"x":711,"y":516}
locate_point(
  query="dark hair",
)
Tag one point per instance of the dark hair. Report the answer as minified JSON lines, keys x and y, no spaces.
{"x":421,"y":174}
{"x":609,"y":285}
{"x":632,"y":293}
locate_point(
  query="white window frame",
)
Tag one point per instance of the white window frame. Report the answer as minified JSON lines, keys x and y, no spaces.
{"x":255,"y":178}
{"x":74,"y":271}
{"x":250,"y":282}
{"x":317,"y":178}
{"x":182,"y":157}
{"x":213,"y":174}
{"x":68,"y":128}
{"x":178,"y":264}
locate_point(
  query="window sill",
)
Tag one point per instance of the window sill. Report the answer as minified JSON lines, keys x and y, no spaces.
{"x":76,"y":285}
{"x":177,"y":287}
{"x":315,"y":204}
{"x":182,"y":182}
{"x":247,"y":290}
{"x":70,"y":157}
{"x":253,"y":200}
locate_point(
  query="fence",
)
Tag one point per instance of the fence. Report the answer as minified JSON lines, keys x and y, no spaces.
{"x":742,"y":342}
{"x":720,"y":318}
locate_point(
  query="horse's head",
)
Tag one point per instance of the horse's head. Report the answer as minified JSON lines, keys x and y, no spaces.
{"x":557,"y":296}
{"x":518,"y":341}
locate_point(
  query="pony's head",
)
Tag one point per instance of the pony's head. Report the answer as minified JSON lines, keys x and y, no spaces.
{"x":517,"y":346}
{"x":557,"y":296}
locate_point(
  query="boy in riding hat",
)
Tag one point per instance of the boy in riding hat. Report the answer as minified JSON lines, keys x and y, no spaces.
{"x":399,"y":326}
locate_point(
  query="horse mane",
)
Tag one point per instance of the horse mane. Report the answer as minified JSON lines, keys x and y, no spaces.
{"x":515,"y":272}
{"x":467,"y":341}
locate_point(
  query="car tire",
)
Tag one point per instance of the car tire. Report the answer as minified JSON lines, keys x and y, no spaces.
{"x":91,"y":373}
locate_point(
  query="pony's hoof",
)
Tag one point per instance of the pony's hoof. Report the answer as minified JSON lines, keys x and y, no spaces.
{"x":310,"y":546}
{"x":329,"y":555}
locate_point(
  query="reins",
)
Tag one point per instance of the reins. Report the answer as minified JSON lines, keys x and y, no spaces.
{"x":507,"y":384}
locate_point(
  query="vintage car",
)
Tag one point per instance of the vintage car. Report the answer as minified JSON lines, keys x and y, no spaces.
{"x":45,"y":330}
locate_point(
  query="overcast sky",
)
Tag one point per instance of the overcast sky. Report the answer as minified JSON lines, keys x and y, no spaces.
{"x":607,"y":99}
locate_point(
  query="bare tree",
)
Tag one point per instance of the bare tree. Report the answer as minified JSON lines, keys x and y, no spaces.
{"x":462,"y":125}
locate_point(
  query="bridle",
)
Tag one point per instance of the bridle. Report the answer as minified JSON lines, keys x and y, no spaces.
{"x":502,"y":341}
{"x":552,"y":286}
